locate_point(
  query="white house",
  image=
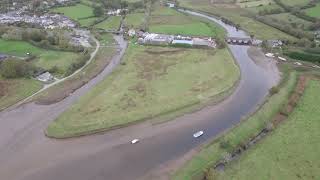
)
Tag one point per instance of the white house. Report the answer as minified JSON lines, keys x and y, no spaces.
{"x":45,"y":77}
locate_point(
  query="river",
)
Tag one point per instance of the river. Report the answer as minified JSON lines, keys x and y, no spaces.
{"x":26,"y":154}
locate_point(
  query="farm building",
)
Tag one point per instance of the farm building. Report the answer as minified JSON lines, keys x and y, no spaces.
{"x":186,"y":42}
{"x":157,"y":39}
{"x":198,"y":42}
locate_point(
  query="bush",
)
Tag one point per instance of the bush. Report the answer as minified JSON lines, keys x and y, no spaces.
{"x":303,"y":56}
{"x":75,"y":66}
{"x":224,"y":144}
{"x":274,"y":90}
{"x":14,"y":68}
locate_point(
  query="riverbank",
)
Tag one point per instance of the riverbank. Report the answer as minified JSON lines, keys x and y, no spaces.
{"x":154,"y":82}
{"x":227,"y":142}
{"x":289,"y":152}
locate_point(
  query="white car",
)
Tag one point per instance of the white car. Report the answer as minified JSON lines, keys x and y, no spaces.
{"x":198,"y":134}
{"x":134,"y":141}
{"x":297,"y":63}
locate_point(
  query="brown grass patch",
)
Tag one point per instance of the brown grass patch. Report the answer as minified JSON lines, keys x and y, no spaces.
{"x":4,"y":87}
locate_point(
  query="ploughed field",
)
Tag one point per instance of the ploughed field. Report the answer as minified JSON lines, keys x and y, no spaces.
{"x":154,"y":81}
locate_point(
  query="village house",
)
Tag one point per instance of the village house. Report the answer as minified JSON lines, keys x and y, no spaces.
{"x":171,"y":5}
{"x":45,"y":77}
{"x":131,"y":32}
{"x":275,"y":43}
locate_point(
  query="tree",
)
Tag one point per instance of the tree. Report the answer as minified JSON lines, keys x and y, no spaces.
{"x":15,"y":68}
{"x":98,"y":11}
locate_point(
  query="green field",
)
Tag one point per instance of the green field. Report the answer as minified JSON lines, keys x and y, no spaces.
{"x":295,"y":2}
{"x":15,"y":90}
{"x":44,"y":58}
{"x":155,"y":81}
{"x":213,"y":152}
{"x":291,"y":151}
{"x":239,"y":16}
{"x":169,"y":21}
{"x":112,"y":23}
{"x":81,"y":13}
{"x":289,"y":19}
{"x":249,"y":4}
{"x":314,"y":12}
{"x":134,"y":20}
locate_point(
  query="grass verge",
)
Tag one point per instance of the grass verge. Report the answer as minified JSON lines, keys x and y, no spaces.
{"x":155,"y":81}
{"x":213,"y":152}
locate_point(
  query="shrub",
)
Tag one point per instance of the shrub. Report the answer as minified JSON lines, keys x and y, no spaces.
{"x":224,"y":144}
{"x":80,"y":62}
{"x":273,"y":90}
{"x":303,"y":56}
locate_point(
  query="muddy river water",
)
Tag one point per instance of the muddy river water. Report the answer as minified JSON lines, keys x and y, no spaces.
{"x":26,"y":154}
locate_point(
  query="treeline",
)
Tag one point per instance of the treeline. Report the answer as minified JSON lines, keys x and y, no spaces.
{"x":81,"y":61}
{"x":296,"y":32}
{"x":297,"y":11}
{"x":55,"y":39}
{"x":17,"y":68}
{"x":303,"y":56}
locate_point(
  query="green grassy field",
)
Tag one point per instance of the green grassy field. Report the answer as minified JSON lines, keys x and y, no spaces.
{"x":112,"y":23}
{"x":213,"y":152}
{"x":289,"y":18}
{"x":44,"y":58}
{"x":291,"y":151}
{"x":81,"y":13}
{"x":314,"y":12}
{"x":155,"y":81}
{"x":134,"y":20}
{"x":14,"y":90}
{"x":256,"y":9}
{"x":295,"y":2}
{"x":237,"y":15}
{"x":248,"y":4}
{"x":169,"y":21}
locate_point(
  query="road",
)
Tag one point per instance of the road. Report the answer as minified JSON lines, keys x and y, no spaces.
{"x":26,"y":154}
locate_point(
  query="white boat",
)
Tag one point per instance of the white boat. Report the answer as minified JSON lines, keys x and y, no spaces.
{"x":198,"y":134}
{"x":134,"y":141}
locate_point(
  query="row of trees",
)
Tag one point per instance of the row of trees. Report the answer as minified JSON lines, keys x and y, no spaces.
{"x":16,"y":68}
{"x":53,"y":39}
{"x":287,"y":28}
